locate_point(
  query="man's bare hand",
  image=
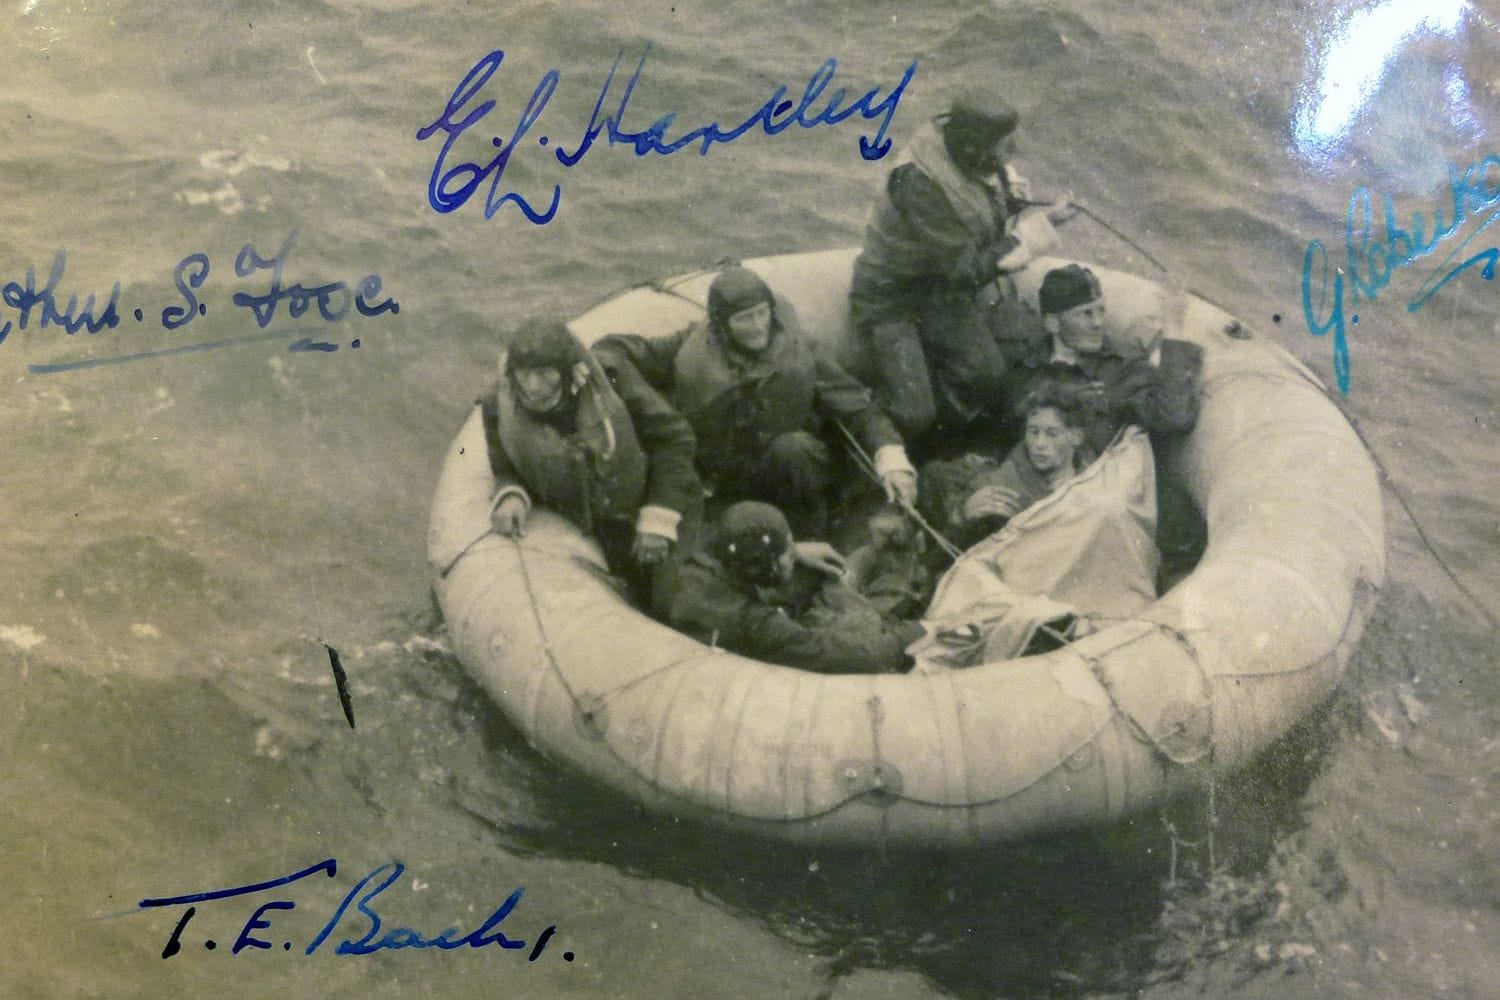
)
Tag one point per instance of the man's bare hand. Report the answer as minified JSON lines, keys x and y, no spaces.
{"x":992,"y":500}
{"x":820,"y":556}
{"x":900,"y":487}
{"x":649,"y":549}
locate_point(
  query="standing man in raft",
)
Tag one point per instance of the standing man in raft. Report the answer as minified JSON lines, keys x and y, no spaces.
{"x":925,"y":285}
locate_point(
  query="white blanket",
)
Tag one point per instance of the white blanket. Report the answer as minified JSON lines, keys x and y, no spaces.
{"x":1087,"y":549}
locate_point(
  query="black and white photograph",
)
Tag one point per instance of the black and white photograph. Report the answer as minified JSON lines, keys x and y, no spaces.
{"x":983,"y":500}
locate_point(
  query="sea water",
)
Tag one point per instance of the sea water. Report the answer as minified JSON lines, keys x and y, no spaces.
{"x":186,"y":532}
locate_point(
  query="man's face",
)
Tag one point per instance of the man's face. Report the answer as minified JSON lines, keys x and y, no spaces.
{"x":751,"y":327}
{"x":1001,"y":152}
{"x":1050,"y":443}
{"x":984,"y":155}
{"x":1082,"y":327}
{"x":539,"y":389}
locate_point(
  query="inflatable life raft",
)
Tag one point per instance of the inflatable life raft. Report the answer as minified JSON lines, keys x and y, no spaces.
{"x":1251,"y":640}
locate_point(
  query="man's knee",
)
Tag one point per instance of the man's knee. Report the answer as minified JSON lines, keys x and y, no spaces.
{"x":973,"y":366}
{"x":796,"y":457}
{"x":793,"y":475}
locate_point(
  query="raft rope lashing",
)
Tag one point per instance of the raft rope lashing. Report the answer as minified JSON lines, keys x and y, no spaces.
{"x":536,"y":616}
{"x":494,"y":505}
{"x":443,"y":573}
{"x":665,"y":289}
{"x":1096,"y":665}
{"x":1086,"y":211}
{"x":656,"y":285}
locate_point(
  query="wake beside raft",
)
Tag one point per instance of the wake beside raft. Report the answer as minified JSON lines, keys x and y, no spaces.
{"x":1255,"y":637}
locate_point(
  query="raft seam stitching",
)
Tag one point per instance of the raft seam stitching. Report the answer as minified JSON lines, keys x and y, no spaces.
{"x":717,"y":716}
{"x":942,"y":747}
{"x":807,"y":783}
{"x":734,"y":738}
{"x":966,"y":775}
{"x":787,"y":742}
{"x":654,"y":778}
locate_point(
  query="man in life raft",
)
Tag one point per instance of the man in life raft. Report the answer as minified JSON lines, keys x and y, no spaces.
{"x":764,"y":402}
{"x":975,"y":495}
{"x":1152,"y":384}
{"x":755,"y":591}
{"x":931,"y":276}
{"x":602,"y":449}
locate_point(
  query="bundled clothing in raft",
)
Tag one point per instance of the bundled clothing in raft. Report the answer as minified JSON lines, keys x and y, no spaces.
{"x":1086,"y":550}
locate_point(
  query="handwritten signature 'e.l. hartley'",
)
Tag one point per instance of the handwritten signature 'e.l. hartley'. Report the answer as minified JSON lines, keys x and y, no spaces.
{"x":377,"y":934}
{"x":450,"y":187}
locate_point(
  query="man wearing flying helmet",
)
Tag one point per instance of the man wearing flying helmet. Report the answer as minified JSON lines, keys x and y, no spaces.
{"x":755,"y":591}
{"x":602,"y":449}
{"x":765,"y":403}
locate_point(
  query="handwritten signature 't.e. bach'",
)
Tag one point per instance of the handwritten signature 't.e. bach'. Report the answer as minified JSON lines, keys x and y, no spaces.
{"x":450,"y":187}
{"x":377,"y":936}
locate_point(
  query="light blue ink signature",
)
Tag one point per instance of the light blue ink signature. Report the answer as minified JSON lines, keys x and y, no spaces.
{"x":450,"y":187}
{"x":362,"y":898}
{"x":333,"y":300}
{"x":1371,"y":261}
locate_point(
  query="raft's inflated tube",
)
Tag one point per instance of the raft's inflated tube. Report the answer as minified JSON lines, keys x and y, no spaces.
{"x":1256,"y":636}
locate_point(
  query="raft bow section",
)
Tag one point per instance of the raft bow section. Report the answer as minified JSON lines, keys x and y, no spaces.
{"x":1255,"y":637}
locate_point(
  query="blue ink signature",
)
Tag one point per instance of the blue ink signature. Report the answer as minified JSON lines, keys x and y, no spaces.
{"x":449,"y":188}
{"x":333,"y":300}
{"x":1372,"y":261}
{"x":28,"y":298}
{"x":300,"y":299}
{"x":362,"y":898}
